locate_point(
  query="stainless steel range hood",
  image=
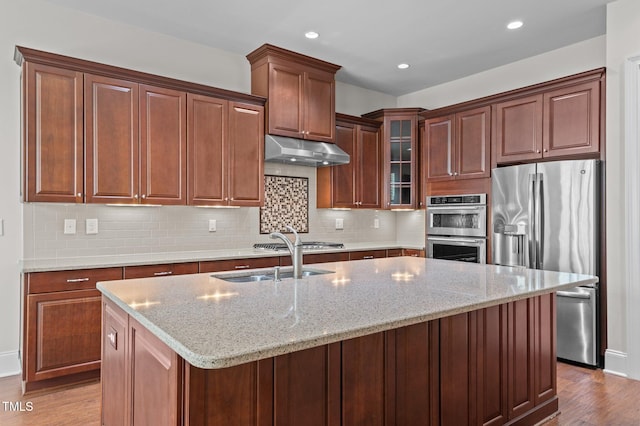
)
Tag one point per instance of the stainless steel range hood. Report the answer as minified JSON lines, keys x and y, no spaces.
{"x":282,"y":149}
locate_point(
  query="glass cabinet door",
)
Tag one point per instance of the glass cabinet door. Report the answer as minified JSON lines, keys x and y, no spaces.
{"x":401,"y":167}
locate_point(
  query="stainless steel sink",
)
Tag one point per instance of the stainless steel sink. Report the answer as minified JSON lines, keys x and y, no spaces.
{"x":266,"y":275}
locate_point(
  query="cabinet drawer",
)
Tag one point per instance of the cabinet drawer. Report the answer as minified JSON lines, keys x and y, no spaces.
{"x":394,"y":253}
{"x":413,"y":252}
{"x":235,"y":264}
{"x":81,"y":279}
{"x":367,"y":254}
{"x":317,"y":258}
{"x":149,"y":271}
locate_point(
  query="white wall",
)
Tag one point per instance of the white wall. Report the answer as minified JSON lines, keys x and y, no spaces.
{"x":44,"y":26}
{"x":623,"y":42}
{"x":583,"y":56}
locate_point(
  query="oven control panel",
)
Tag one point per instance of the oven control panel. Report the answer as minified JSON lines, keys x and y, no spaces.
{"x":459,"y":200}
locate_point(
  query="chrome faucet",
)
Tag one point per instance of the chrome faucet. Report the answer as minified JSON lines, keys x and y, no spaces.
{"x":295,"y":249}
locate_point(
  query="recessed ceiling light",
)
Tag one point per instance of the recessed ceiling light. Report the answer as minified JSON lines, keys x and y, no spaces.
{"x":311,"y":34}
{"x":514,"y":25}
{"x":403,"y":66}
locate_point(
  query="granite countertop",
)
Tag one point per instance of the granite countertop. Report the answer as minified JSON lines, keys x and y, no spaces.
{"x":213,"y":323}
{"x":86,"y":262}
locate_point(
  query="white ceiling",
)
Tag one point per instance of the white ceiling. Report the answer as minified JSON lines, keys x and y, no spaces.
{"x":442,"y":40}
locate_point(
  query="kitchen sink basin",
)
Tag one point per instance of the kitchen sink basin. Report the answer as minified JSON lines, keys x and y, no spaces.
{"x":266,"y":275}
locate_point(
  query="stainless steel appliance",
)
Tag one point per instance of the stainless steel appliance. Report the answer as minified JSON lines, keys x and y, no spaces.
{"x":457,"y":227}
{"x":546,"y":216}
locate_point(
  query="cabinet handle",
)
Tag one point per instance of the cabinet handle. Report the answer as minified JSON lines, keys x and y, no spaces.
{"x":160,"y":274}
{"x":367,"y":257}
{"x":77,"y":280}
{"x":112,"y":339}
{"x":242,"y":267}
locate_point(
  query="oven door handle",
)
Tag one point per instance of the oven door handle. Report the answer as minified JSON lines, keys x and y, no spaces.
{"x":454,"y":208}
{"x":457,"y":240}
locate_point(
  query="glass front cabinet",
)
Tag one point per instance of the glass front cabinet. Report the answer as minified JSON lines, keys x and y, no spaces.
{"x":400,"y":149}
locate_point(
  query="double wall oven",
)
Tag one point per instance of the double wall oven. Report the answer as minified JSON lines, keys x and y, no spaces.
{"x":457,"y":227}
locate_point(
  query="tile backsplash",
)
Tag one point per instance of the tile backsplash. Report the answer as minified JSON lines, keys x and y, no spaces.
{"x":167,"y":229}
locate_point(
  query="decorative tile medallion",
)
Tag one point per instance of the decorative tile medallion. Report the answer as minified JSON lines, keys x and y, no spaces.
{"x":286,"y":202}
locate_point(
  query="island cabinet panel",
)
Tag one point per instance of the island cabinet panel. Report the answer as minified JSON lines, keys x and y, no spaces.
{"x":153,"y":365}
{"x":115,"y":326}
{"x":521,"y":362}
{"x":53,"y":145}
{"x":491,"y":365}
{"x":545,"y":342}
{"x":364,"y":381}
{"x":311,"y":258}
{"x":239,"y":264}
{"x":237,"y":396}
{"x":307,"y":387}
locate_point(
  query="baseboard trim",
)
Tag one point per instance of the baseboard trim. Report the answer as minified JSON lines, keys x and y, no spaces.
{"x":9,"y":364}
{"x":615,"y":362}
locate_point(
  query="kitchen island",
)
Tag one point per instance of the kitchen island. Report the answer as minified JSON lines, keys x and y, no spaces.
{"x":387,"y":341}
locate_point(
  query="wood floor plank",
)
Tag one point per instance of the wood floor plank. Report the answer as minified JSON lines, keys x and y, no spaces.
{"x":587,"y":397}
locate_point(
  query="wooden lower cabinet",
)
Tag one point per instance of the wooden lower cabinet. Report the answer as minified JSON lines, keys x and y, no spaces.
{"x":493,"y":366}
{"x":161,"y":270}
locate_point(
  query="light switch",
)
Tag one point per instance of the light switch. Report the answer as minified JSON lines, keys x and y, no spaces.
{"x":376,"y":223}
{"x":213,"y":226}
{"x":92,"y":226}
{"x":339,"y":223}
{"x":69,"y":226}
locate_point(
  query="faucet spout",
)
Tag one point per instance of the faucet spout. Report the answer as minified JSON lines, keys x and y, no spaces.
{"x":295,"y":249}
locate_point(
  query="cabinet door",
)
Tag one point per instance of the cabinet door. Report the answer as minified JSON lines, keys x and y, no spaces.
{"x":370,"y":155}
{"x":319,"y":102}
{"x":163,"y":146}
{"x":521,"y":353}
{"x":344,"y":176}
{"x":207,"y":165}
{"x":438,"y":148}
{"x":63,"y":333}
{"x":572,"y":120}
{"x":111,"y":140}
{"x":473,"y":136}
{"x":246,"y":154}
{"x":400,"y":140}
{"x":115,"y":326}
{"x":286,"y":108}
{"x":153,"y":365}
{"x":53,"y":144}
{"x":519,"y":129}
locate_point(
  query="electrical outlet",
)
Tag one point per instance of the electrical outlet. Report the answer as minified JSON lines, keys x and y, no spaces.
{"x":1,"y":227}
{"x":376,"y":223}
{"x":213,"y":226}
{"x":69,"y":226}
{"x":92,"y":226}
{"x":339,"y":223}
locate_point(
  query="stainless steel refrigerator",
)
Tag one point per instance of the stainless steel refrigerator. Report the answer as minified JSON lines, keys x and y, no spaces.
{"x":546,"y":216}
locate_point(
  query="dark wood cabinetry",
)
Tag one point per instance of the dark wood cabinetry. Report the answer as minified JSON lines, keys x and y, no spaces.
{"x":161,"y":270}
{"x":115,"y":346}
{"x":560,"y":122}
{"x":367,"y":254}
{"x":457,"y":146}
{"x":239,"y":264}
{"x":226,"y":152}
{"x":136,"y":142}
{"x":52,"y":127}
{"x":300,"y":92}
{"x":131,"y":147}
{"x":357,"y":184}
{"x":61,"y":326}
{"x":399,"y":156}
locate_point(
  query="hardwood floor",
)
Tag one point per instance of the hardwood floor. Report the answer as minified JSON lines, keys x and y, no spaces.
{"x":587,"y":397}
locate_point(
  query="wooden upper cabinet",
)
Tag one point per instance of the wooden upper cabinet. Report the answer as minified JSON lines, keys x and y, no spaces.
{"x":571,"y":122}
{"x":519,"y":129}
{"x":53,"y":143}
{"x":399,"y":156}
{"x":557,"y":123}
{"x":226,"y":152}
{"x":300,"y":92}
{"x":437,"y":152}
{"x":246,"y":154}
{"x":358,"y":183}
{"x":163,"y":146}
{"x":472,"y":143}
{"x":135,"y":141}
{"x":111,"y":140}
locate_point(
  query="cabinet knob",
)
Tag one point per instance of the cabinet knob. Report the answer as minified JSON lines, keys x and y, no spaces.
{"x":538,"y":151}
{"x":135,"y":196}
{"x":455,"y":173}
{"x":79,"y":194}
{"x":144,"y":196}
{"x":546,"y":150}
{"x":450,"y":174}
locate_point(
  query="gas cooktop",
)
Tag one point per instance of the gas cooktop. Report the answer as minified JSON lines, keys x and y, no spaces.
{"x":306,"y":245}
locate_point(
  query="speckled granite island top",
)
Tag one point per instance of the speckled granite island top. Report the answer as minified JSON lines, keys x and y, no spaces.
{"x":213,"y":323}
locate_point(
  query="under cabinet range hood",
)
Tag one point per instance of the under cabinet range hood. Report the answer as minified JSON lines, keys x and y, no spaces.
{"x":282,"y":149}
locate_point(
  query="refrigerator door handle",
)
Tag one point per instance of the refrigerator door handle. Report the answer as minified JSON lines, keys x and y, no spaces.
{"x":573,"y":295}
{"x":539,"y":235}
{"x":532,"y":261}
